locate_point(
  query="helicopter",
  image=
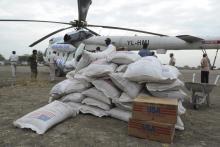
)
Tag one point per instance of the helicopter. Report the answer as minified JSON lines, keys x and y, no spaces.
{"x":68,"y":44}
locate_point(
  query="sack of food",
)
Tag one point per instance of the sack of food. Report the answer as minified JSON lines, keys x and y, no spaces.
{"x":98,"y":68}
{"x":93,"y":110}
{"x":120,"y":114}
{"x":132,"y":89}
{"x":66,"y":87}
{"x":170,"y":73}
{"x":73,"y":97}
{"x":123,"y":105}
{"x":121,"y":68}
{"x":124,"y":98}
{"x":175,"y":85}
{"x":96,"y":103}
{"x":178,"y":94}
{"x":123,"y":57}
{"x":45,"y":117}
{"x":96,"y":94}
{"x":147,"y":69}
{"x":107,"y":87}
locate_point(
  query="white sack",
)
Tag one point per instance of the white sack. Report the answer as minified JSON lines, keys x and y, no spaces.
{"x":98,"y":68}
{"x":147,"y":69}
{"x":123,"y":57}
{"x":45,"y":117}
{"x":83,"y":62}
{"x":93,"y":110}
{"x":107,"y":87}
{"x":68,"y":86}
{"x":181,"y":109}
{"x":73,"y":97}
{"x":176,"y":85}
{"x":181,"y":95}
{"x":79,"y":52}
{"x":96,"y":94}
{"x":179,"y":124}
{"x":81,"y":77}
{"x":121,"y":68}
{"x":170,"y":72}
{"x":132,"y":89}
{"x":70,"y":64}
{"x":124,"y":98}
{"x":75,"y":106}
{"x":123,"y":105}
{"x":120,"y":114}
{"x":94,"y":102}
{"x":103,"y":54}
{"x":70,"y":75}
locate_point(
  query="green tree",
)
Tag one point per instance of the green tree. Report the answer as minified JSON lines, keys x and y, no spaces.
{"x":1,"y":57}
{"x":23,"y":58}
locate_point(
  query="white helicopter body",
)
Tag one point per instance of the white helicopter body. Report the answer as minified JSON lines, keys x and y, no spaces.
{"x":161,"y":44}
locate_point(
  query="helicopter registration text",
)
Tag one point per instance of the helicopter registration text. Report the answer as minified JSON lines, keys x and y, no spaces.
{"x":138,"y":42}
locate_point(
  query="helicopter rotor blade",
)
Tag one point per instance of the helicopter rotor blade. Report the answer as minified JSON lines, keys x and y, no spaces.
{"x":45,"y":37}
{"x":83,"y":7}
{"x":26,"y":20}
{"x":127,"y":29}
{"x":91,"y":31}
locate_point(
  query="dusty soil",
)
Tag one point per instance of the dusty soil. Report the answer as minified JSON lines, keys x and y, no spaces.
{"x":201,"y":127}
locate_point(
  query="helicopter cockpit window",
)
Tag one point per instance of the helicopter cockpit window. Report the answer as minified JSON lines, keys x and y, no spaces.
{"x":85,"y":35}
{"x":77,"y":36}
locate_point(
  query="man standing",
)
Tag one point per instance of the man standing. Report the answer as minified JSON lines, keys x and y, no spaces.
{"x":145,"y":51}
{"x":172,"y":60}
{"x":108,"y":42}
{"x":205,"y":69}
{"x":33,"y":65}
{"x":52,"y":65}
{"x":109,"y":45}
{"x":13,"y":59}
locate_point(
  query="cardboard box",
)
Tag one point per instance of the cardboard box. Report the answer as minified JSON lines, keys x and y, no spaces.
{"x":163,"y":110}
{"x":151,"y":130}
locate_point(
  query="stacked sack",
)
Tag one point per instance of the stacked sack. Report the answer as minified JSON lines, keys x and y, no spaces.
{"x":161,"y":81}
{"x":106,"y":85}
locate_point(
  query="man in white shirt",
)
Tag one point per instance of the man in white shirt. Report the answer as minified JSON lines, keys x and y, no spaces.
{"x":52,"y":65}
{"x":13,"y":59}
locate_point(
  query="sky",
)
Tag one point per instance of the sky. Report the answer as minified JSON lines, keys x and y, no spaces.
{"x":170,"y":17}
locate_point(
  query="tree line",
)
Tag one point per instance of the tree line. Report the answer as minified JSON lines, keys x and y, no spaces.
{"x":24,"y":58}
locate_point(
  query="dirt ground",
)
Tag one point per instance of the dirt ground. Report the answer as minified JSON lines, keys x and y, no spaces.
{"x":202,"y":127}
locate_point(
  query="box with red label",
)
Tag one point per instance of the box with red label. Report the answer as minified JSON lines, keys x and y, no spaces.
{"x":163,"y":110}
{"x":151,"y":130}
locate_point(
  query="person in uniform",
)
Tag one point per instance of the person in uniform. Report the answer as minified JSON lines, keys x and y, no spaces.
{"x":205,"y":69}
{"x":172,"y":60}
{"x":145,"y":51}
{"x":33,"y":65}
{"x":14,"y":60}
{"x":52,"y":65}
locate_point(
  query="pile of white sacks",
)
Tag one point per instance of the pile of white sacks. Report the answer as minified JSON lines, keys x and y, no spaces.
{"x":106,"y":83}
